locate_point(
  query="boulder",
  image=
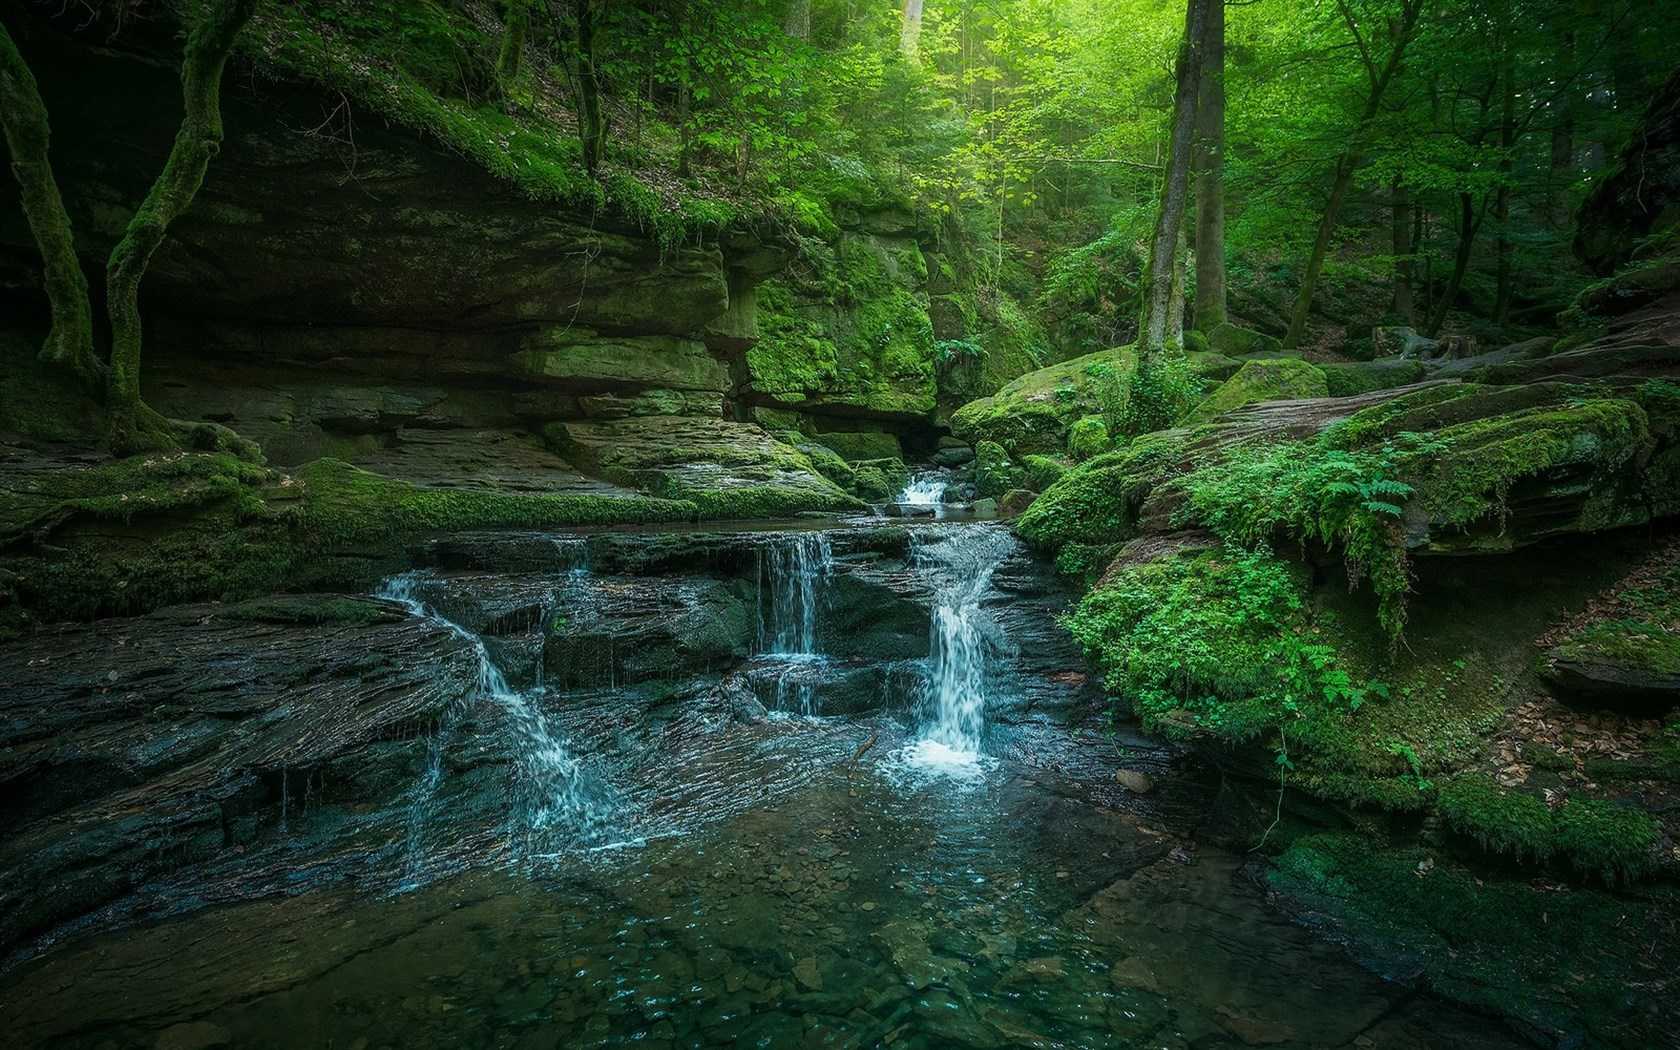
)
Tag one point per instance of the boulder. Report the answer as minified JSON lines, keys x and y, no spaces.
{"x":1235,"y":341}
{"x":1400,"y":342}
{"x":1273,"y":380}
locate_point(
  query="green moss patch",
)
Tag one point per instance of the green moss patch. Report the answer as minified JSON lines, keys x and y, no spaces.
{"x":1274,"y":380}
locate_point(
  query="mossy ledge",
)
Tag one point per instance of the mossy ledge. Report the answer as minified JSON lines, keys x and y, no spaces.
{"x":126,"y":536}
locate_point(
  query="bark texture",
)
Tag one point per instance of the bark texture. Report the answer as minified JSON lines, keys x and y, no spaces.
{"x":1211,"y":309}
{"x":23,"y":118}
{"x":196,"y":144}
{"x":1158,"y":276}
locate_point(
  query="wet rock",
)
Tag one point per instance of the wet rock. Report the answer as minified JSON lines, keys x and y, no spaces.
{"x":1133,"y":972}
{"x":196,"y":1035}
{"x":1255,"y":1031}
{"x":157,"y":743}
{"x":807,"y":973}
{"x":1138,"y":783}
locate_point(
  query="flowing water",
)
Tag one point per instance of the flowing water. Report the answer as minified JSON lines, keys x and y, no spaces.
{"x":926,"y":489}
{"x":783,"y":882}
{"x":560,"y":798}
{"x":793,"y":574}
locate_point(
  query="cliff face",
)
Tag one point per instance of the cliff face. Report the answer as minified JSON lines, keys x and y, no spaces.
{"x":346,"y":287}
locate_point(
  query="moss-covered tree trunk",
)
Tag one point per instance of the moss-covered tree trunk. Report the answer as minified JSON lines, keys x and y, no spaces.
{"x":1469,"y":222}
{"x":23,"y":117}
{"x":515,"y":26}
{"x":133,"y":425}
{"x":1211,"y":310}
{"x":592,"y":126}
{"x":1503,"y":276}
{"x":1341,"y":180}
{"x":1169,"y":218}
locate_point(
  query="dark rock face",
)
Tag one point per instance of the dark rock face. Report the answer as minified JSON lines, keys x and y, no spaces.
{"x":1643,"y":196}
{"x":220,"y":752}
{"x":146,"y":745}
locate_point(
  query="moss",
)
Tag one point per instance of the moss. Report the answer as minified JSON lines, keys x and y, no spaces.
{"x":1235,"y":340}
{"x":1570,"y":963}
{"x":1088,"y":437}
{"x":1276,"y":380}
{"x":1595,"y":837}
{"x":1502,"y":821}
{"x":854,"y":445}
{"x":128,"y":536}
{"x":1096,"y":501}
{"x":423,"y":65}
{"x":1355,"y":379}
{"x":1043,"y":471}
{"x":309,"y":609}
{"x":994,"y":472}
{"x":1033,"y":413}
{"x":1625,"y":642}
{"x":40,"y":401}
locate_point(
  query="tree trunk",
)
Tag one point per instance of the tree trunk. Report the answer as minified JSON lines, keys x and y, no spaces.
{"x":797,"y":21}
{"x":512,"y":51}
{"x":1211,"y":311}
{"x":1348,"y":163}
{"x":23,"y":118}
{"x":132,"y":424}
{"x":1562,"y":170}
{"x":1158,"y":269}
{"x":592,"y":127}
{"x":1400,"y":203}
{"x":1468,"y":223}
{"x":1503,"y":278}
{"x":910,"y":33}
{"x":1175,"y":298}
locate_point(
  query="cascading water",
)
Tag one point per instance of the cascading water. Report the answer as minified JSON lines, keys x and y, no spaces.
{"x":793,"y":573}
{"x":562,"y":796}
{"x":962,"y":562}
{"x":926,"y":490}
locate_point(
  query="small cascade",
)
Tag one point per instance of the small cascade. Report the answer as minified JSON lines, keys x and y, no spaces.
{"x":792,"y":579}
{"x":563,"y":797}
{"x":962,"y":562}
{"x":926,"y":490}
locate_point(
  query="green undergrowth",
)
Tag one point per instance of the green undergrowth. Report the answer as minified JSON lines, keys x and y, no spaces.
{"x":415,"y":64}
{"x":1579,"y":965}
{"x":1096,"y":501}
{"x":1221,"y":643}
{"x":1595,"y":837}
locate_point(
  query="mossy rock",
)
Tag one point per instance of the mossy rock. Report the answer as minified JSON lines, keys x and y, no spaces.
{"x":879,"y":480}
{"x":1274,"y":380}
{"x":1043,"y":471}
{"x":855,"y":445}
{"x":1096,"y":501}
{"x":994,"y":472}
{"x":1235,"y":341}
{"x":1568,"y":963}
{"x":1088,"y":437}
{"x":1352,"y":380}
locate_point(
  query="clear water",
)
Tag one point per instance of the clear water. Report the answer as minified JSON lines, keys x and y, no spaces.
{"x":1021,"y":911}
{"x":929,"y":881}
{"x":561,"y":799}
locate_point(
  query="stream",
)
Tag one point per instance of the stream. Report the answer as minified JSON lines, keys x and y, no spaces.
{"x":838,"y":786}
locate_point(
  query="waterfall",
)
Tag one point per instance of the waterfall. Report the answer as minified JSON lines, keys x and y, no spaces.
{"x":563,"y":796}
{"x":793,"y":574}
{"x":926,"y":490}
{"x":961,"y":562}
{"x":795,"y":570}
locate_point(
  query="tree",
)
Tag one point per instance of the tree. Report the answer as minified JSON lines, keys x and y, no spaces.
{"x":797,"y":21}
{"x":23,"y":117}
{"x":1379,"y":76}
{"x":910,"y":33}
{"x":132,"y":425}
{"x":515,"y":25}
{"x":1210,"y":175}
{"x":592,"y":126}
{"x":1158,"y":274}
